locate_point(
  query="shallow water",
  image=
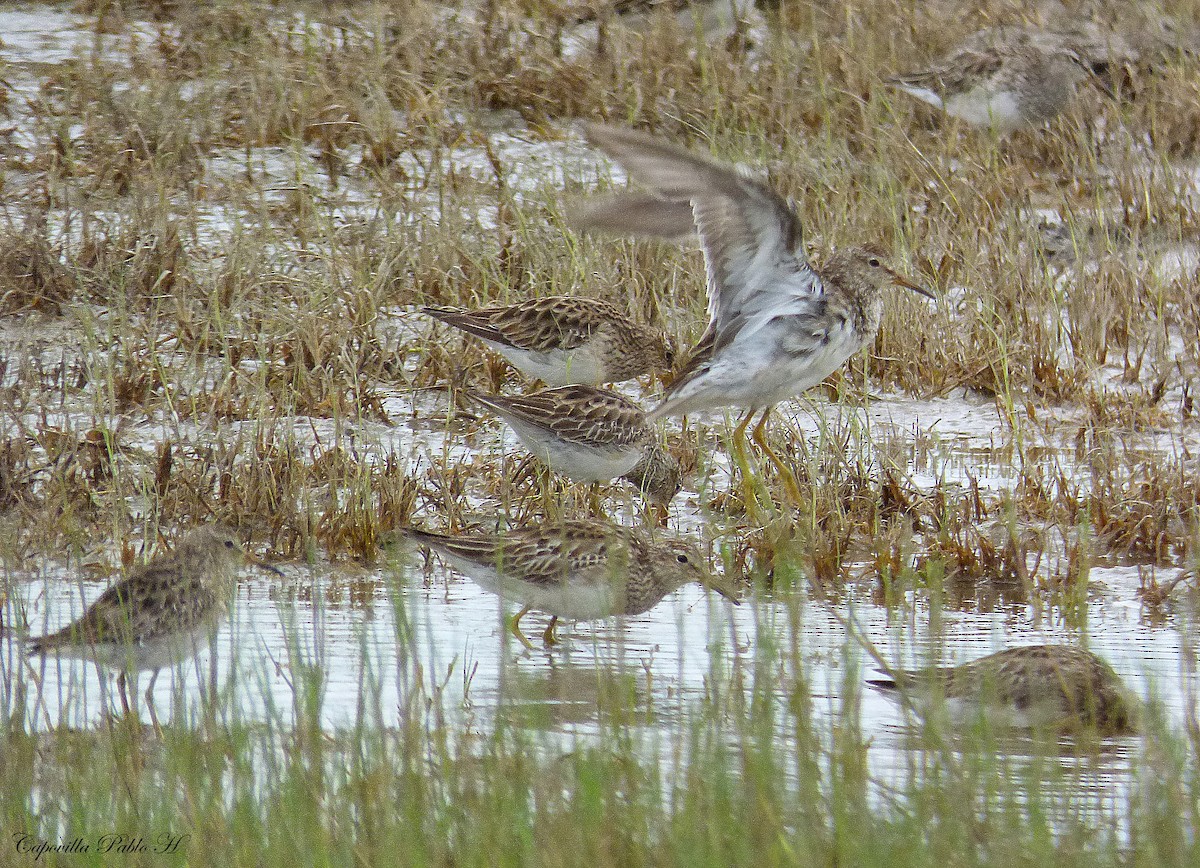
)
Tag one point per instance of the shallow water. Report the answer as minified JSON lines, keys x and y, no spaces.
{"x":407,"y":641}
{"x":401,"y":640}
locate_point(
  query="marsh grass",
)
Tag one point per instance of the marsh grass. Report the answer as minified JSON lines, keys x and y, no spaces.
{"x":217,"y":226}
{"x":230,"y":214}
{"x":764,"y":766}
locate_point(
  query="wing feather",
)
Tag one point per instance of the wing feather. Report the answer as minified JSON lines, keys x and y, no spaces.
{"x":576,"y":413}
{"x":752,"y":238}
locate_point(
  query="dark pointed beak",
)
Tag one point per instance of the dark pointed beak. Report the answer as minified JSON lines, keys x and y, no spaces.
{"x":263,"y":565}
{"x":901,"y":280}
{"x":722,"y":587}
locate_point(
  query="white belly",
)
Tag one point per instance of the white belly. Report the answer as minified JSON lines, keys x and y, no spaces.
{"x":579,"y":603}
{"x":794,"y":377}
{"x":580,"y":462}
{"x":982,"y":108}
{"x":579,"y":600}
{"x":555,"y":367}
{"x":754,"y":377}
{"x":924,"y":94}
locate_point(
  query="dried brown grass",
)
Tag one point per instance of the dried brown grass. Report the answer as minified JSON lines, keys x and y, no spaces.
{"x":296,"y":312}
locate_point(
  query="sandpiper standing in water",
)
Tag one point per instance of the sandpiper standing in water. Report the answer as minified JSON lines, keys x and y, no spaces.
{"x":160,"y":614}
{"x":572,"y":569}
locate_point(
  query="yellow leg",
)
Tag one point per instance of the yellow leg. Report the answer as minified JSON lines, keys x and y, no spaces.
{"x":785,"y":473}
{"x":738,"y":449}
{"x":739,"y":437}
{"x":548,"y":638}
{"x":130,"y":718}
{"x":514,"y":627}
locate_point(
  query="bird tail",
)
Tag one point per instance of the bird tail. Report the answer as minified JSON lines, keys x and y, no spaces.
{"x":886,"y":685}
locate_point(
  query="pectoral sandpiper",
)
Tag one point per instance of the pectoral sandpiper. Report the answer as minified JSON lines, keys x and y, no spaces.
{"x":1010,"y":79}
{"x":573,"y":569}
{"x":1054,"y":687}
{"x":589,"y":434}
{"x":777,"y":325}
{"x":160,"y":614}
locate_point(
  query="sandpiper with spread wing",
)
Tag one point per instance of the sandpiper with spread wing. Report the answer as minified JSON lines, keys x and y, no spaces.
{"x":777,"y":325}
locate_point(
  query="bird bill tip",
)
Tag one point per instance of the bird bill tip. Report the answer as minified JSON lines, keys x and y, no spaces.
{"x":725,"y":590}
{"x":901,"y":280}
{"x":263,"y":565}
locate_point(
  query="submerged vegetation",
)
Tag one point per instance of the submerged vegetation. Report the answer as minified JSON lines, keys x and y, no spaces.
{"x":220,"y":221}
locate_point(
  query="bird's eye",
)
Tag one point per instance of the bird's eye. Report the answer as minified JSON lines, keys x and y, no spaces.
{"x":873,"y":262}
{"x":229,"y":544}
{"x":683,"y":559}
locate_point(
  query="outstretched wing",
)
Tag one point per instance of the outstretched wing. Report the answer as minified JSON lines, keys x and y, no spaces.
{"x":648,"y":215}
{"x":752,"y":239}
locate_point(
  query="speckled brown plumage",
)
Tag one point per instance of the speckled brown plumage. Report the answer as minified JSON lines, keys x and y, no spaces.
{"x":1003,"y":78}
{"x":579,"y":414}
{"x":591,"y":435}
{"x":566,"y":339}
{"x":573,"y":569}
{"x":657,"y":474}
{"x":1053,"y":686}
{"x":158,"y":614}
{"x":174,"y":592}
